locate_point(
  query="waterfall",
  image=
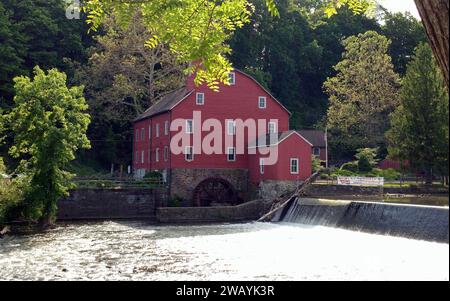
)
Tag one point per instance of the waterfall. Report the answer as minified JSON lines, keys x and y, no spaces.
{"x":411,"y":221}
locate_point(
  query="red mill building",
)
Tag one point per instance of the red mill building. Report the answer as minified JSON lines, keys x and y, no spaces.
{"x":230,"y":174}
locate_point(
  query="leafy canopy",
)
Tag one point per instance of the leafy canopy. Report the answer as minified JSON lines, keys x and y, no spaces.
{"x":196,"y":30}
{"x":363,"y":93}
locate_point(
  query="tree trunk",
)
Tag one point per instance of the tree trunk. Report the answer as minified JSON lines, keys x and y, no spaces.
{"x":434,"y":14}
{"x":45,"y":222}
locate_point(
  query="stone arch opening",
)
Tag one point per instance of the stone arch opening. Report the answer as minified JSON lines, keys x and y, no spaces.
{"x":214,"y":191}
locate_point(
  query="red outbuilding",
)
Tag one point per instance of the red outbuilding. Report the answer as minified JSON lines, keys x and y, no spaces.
{"x":221,"y":147}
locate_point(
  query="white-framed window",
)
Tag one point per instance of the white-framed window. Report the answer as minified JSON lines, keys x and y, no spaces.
{"x":316,"y":151}
{"x":231,"y":154}
{"x":142,"y":134}
{"x":166,"y":153}
{"x":157,"y":155}
{"x":143,"y":157}
{"x":262,"y":102}
{"x":231,"y":127}
{"x":232,"y":78}
{"x":136,"y":157}
{"x":189,"y":153}
{"x":149,"y":155}
{"x":189,"y":126}
{"x":294,"y":166}
{"x":272,"y":127}
{"x":149,"y":132}
{"x":166,"y":127}
{"x":137,"y":135}
{"x":200,"y":99}
{"x":261,"y":166}
{"x":157,"y":130}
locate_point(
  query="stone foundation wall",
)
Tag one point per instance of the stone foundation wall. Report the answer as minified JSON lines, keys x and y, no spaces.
{"x":317,"y":190}
{"x":249,"y":211}
{"x":111,"y":204}
{"x":271,"y":189}
{"x":184,"y":181}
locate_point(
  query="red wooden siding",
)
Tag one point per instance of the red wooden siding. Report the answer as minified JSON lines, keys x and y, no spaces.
{"x":239,"y":101}
{"x":293,"y":147}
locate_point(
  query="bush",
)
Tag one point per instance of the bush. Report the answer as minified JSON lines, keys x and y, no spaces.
{"x":343,"y":173}
{"x":153,"y":175}
{"x":366,"y":159}
{"x":388,"y":174}
{"x":364,"y":165}
{"x":11,"y":193}
{"x":350,"y":166}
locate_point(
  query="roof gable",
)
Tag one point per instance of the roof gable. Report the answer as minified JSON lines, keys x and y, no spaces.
{"x":264,"y":89}
{"x":269,"y":140}
{"x":316,"y":137}
{"x":171,"y":100}
{"x":166,"y":103}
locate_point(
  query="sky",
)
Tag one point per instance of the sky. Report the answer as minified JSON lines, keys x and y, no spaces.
{"x":400,"y":6}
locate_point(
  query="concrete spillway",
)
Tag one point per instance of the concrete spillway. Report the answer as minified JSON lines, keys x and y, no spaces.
{"x":416,"y":222}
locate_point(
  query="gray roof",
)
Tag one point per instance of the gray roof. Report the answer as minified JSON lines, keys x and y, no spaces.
{"x":271,"y":139}
{"x":165,"y":104}
{"x":315,"y":137}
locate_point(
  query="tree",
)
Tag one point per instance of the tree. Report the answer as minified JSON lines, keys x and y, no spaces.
{"x":197,"y":31}
{"x":36,"y":32}
{"x":11,"y":54}
{"x":406,"y":33}
{"x":291,"y":57}
{"x":363,"y":93}
{"x":366,"y":159}
{"x":434,"y":14}
{"x":419,"y":126}
{"x":49,"y":126}
{"x":122,"y":79}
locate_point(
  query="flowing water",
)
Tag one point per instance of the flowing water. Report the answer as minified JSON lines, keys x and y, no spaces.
{"x":255,"y":251}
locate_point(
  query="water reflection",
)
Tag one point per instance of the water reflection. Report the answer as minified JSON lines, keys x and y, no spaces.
{"x":138,"y":251}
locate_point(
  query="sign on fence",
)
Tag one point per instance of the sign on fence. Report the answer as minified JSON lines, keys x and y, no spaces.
{"x":360,"y":181}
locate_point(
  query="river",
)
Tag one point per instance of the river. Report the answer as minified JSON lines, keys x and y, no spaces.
{"x":254,"y":251}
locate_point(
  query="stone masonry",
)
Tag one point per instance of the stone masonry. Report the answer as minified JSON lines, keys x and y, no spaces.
{"x":184,"y":181}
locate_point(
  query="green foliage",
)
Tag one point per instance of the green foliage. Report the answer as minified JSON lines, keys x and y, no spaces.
{"x":343,"y":173}
{"x":49,"y":126}
{"x":357,"y":6}
{"x":363,"y":165}
{"x":388,"y":174}
{"x":350,"y":166}
{"x":406,"y":33}
{"x":420,"y":124}
{"x":363,"y":93}
{"x":153,"y":175}
{"x":118,"y":92}
{"x":316,"y":164}
{"x":11,"y":53}
{"x":197,"y":31}
{"x":366,"y":159}
{"x":37,"y":32}
{"x":11,"y":192}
